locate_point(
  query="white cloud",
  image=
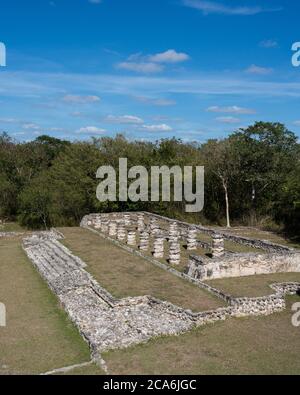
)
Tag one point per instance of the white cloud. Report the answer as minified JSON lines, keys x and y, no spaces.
{"x":18,"y":134}
{"x":93,"y":130}
{"x":297,"y":123}
{"x":42,"y":85}
{"x":231,"y":110}
{"x":152,"y":63}
{"x":8,"y":120}
{"x":56,"y":129}
{"x":228,"y":120}
{"x":253,"y":69}
{"x":143,"y":67}
{"x":215,"y":7}
{"x":157,"y":128}
{"x":124,"y":119}
{"x":268,"y":44}
{"x":31,"y":126}
{"x":156,"y":102}
{"x":79,"y":99}
{"x":170,"y":56}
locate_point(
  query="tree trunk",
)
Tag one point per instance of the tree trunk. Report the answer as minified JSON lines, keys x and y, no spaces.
{"x":227,"y":204}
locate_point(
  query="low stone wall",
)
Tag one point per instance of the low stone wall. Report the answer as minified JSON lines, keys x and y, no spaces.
{"x":286,"y":288}
{"x":243,"y":307}
{"x":256,"y":243}
{"x":108,"y":323}
{"x":239,"y":265}
{"x":238,"y":306}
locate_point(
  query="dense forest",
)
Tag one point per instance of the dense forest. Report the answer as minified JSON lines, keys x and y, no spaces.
{"x":251,"y":178}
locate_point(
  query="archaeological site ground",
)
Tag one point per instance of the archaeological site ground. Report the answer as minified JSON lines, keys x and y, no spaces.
{"x":138,"y":293}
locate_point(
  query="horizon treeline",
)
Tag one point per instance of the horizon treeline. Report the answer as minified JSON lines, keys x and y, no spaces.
{"x":252,"y":178}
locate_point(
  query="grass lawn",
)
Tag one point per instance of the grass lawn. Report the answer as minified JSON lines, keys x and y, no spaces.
{"x":253,"y":285}
{"x":254,"y":233}
{"x":91,"y":370}
{"x":263,"y":345}
{"x":124,"y":274}
{"x":12,"y":227}
{"x":38,"y":336}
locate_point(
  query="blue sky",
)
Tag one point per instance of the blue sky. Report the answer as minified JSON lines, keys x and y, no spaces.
{"x":150,"y":69}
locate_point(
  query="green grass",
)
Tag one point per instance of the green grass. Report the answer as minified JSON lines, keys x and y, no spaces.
{"x":276,"y":238}
{"x":91,"y":370}
{"x":38,"y":337}
{"x":256,"y":345}
{"x":124,"y":274}
{"x":252,"y":286}
{"x":12,"y":227}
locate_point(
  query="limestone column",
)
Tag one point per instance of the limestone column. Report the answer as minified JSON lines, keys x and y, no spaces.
{"x":112,"y":229}
{"x":144,"y":241}
{"x":218,"y":246}
{"x":174,"y":253}
{"x":127,"y":219}
{"x":131,"y":238}
{"x":173,"y":232}
{"x":158,"y":247}
{"x":141,"y":222}
{"x":192,"y":239}
{"x":121,"y":232}
{"x":154,"y":228}
{"x":97,"y":223}
{"x":105,"y":226}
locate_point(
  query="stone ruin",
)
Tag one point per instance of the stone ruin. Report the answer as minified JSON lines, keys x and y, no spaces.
{"x":131,"y":238}
{"x":192,"y":239}
{"x":108,"y":323}
{"x":221,"y":263}
{"x":158,"y":246}
{"x":218,"y":246}
{"x":144,"y":241}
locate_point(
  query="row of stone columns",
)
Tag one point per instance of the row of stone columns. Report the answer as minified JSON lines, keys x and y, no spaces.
{"x":118,"y":230}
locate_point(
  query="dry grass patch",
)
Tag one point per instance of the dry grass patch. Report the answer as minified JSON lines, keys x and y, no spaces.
{"x":124,"y":274}
{"x":91,"y":370}
{"x":252,"y":286}
{"x":263,"y":345}
{"x":254,"y":233}
{"x":12,"y":227}
{"x":38,"y":336}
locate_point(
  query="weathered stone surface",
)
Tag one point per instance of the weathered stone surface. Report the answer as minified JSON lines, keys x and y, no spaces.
{"x":104,"y":322}
{"x":131,"y":238}
{"x":173,"y":233}
{"x":154,"y":228}
{"x":107,"y":323}
{"x":218,"y":246}
{"x":112,"y":229}
{"x":127,"y":219}
{"x":158,"y":247}
{"x":121,"y":232}
{"x":239,"y":265}
{"x":192,"y":239}
{"x":141,"y":223}
{"x":144,"y":241}
{"x":174,"y":253}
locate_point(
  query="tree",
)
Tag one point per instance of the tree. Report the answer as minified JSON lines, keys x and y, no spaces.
{"x":221,"y":159}
{"x":267,"y":152}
